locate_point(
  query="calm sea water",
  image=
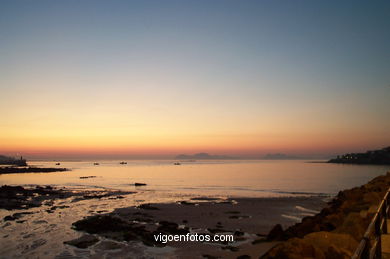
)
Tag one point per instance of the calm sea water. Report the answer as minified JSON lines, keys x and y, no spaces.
{"x":42,"y":235}
{"x":227,"y":178}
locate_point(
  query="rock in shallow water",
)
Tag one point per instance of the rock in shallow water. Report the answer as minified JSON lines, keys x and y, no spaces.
{"x":38,"y":243}
{"x":109,"y":245}
{"x":121,"y":229}
{"x":83,"y":241}
{"x":101,"y":223}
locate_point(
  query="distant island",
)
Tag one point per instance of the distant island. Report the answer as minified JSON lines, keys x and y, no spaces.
{"x":279,"y":156}
{"x":374,"y":157}
{"x":5,"y":160}
{"x":204,"y":156}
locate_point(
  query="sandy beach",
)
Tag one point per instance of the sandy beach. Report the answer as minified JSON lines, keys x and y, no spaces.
{"x":193,"y":129}
{"x":29,"y":224}
{"x":94,"y":213}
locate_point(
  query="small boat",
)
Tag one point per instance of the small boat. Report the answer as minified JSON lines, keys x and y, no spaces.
{"x":176,"y":163}
{"x":95,"y":163}
{"x":123,"y":163}
{"x":58,"y":163}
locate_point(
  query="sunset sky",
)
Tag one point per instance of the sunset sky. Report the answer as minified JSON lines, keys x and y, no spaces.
{"x":160,"y":78}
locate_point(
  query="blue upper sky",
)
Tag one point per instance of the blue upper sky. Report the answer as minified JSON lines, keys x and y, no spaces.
{"x":278,"y":59}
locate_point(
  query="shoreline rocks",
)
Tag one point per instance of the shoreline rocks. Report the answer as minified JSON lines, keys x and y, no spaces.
{"x":30,"y":169}
{"x":326,"y":234}
{"x":83,"y":241}
{"x":18,"y":197}
{"x":86,"y":177}
{"x":139,"y":184}
{"x":121,"y":229}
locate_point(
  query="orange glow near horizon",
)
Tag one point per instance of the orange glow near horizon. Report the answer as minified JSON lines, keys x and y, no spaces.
{"x":76,"y":79}
{"x":46,"y":126}
{"x":170,"y":144}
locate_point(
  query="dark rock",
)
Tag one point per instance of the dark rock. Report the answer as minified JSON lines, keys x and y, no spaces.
{"x":38,"y":243}
{"x":238,"y":233}
{"x":15,"y":216}
{"x":96,"y":196}
{"x":59,"y":207}
{"x":239,"y":217}
{"x":142,"y":214}
{"x":331,"y":233}
{"x":116,"y":228}
{"x":276,"y":233}
{"x":187,"y":203}
{"x":139,"y":184}
{"x":8,"y":218}
{"x":108,"y":245}
{"x":231,"y":248}
{"x":117,"y":197}
{"x":232,"y":212}
{"x":101,"y":223}
{"x":259,"y":241}
{"x":18,"y":170}
{"x":170,"y":228}
{"x":147,"y":207}
{"x":86,"y":177}
{"x":83,"y":241}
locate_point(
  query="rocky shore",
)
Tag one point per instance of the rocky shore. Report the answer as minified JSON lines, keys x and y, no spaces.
{"x":110,"y":222}
{"x":30,"y":169}
{"x":247,"y":219}
{"x":334,"y":232}
{"x":21,"y":198}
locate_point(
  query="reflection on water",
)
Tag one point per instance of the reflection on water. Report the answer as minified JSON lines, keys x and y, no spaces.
{"x":232,"y":178}
{"x":41,"y":234}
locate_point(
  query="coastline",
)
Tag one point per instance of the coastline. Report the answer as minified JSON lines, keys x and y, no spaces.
{"x":250,"y":220}
{"x":336,"y":231}
{"x":30,"y":169}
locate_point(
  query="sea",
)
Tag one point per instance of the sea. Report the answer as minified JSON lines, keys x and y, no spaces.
{"x":40,"y":234}
{"x":234,"y":178}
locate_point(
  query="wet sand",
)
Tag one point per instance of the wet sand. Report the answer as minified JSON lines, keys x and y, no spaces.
{"x":247,"y":219}
{"x":252,"y":215}
{"x":41,"y":229}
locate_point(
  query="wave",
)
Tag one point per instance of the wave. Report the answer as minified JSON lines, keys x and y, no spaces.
{"x":295,"y":218}
{"x":300,"y":208}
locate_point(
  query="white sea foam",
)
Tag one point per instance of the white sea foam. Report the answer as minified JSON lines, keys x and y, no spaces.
{"x":300,"y":208}
{"x":298,"y":219}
